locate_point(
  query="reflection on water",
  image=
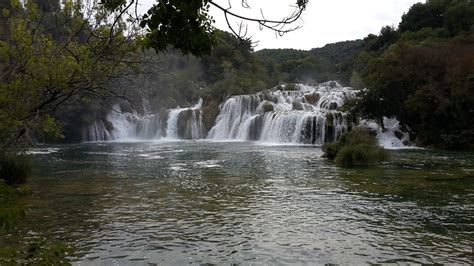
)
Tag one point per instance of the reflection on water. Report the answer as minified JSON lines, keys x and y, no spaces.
{"x":204,"y":202}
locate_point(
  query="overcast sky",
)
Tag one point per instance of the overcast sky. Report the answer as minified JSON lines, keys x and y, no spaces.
{"x":323,"y":22}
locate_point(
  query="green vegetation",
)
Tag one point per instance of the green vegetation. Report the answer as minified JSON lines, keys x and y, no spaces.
{"x":10,"y":210}
{"x":355,"y":148}
{"x":314,"y":66}
{"x":232,"y":69}
{"x":423,"y":73}
{"x":38,"y":251}
{"x":51,"y":54}
{"x":14,"y":169}
{"x":188,"y":25}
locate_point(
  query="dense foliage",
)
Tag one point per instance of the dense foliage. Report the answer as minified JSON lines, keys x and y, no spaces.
{"x":314,"y":66}
{"x":423,"y":73}
{"x":355,"y":148}
{"x":10,"y":210}
{"x":233,"y":69}
{"x":185,"y":25}
{"x":50,"y":54}
{"x":188,"y":25}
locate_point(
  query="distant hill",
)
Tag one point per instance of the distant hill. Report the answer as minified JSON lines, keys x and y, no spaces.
{"x":315,"y":65}
{"x":339,"y":52}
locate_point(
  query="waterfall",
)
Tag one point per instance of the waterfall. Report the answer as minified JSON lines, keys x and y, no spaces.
{"x":392,"y":137}
{"x":185,"y":123}
{"x":96,"y":132}
{"x":172,"y":123}
{"x":307,"y":115}
{"x":182,"y":123}
{"x":119,"y":125}
{"x":303,"y":115}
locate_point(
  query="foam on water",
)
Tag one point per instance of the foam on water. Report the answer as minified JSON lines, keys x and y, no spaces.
{"x":42,"y":150}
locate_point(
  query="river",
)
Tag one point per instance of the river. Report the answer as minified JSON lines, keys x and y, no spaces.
{"x":198,"y":202}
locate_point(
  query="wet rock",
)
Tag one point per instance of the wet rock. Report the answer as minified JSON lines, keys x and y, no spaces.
{"x":210,"y":111}
{"x":298,"y":106}
{"x":184,"y":120}
{"x":329,"y":120}
{"x":256,"y":128}
{"x":398,"y":134}
{"x":312,"y":98}
{"x":329,"y":136}
{"x":267,"y":107}
{"x":333,"y":106}
{"x":108,"y":125}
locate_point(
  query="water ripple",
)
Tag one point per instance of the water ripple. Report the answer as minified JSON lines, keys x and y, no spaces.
{"x":204,"y":202}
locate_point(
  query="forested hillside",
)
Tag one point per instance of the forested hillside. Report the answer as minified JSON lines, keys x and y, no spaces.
{"x":423,"y":73}
{"x":314,"y":66}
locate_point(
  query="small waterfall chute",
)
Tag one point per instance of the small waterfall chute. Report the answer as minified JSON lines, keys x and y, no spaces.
{"x":185,"y":123}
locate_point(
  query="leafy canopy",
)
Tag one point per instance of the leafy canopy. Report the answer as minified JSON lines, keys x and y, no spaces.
{"x":41,"y":70}
{"x":189,"y":27}
{"x":423,"y":73}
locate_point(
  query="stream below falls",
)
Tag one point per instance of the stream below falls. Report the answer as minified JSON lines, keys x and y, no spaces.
{"x":174,"y":203}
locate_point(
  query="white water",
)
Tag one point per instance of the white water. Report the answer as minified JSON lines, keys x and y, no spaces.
{"x":387,"y":138}
{"x":303,"y":116}
{"x":307,"y":115}
{"x":193,"y":125}
{"x":119,"y":125}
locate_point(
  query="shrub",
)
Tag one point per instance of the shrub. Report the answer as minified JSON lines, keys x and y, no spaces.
{"x":14,"y":169}
{"x":10,"y":210}
{"x":355,"y":148}
{"x":330,"y":150}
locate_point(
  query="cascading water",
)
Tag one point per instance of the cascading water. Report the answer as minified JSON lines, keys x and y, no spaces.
{"x":306,"y":115}
{"x":185,"y":123}
{"x":119,"y":125}
{"x":392,"y":137}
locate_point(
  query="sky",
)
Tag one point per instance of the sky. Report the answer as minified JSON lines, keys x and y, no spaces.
{"x":323,"y":22}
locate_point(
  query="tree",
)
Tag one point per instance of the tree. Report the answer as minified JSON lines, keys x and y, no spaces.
{"x":39,"y":73}
{"x":188,"y":25}
{"x":424,"y":15}
{"x":422,"y":73}
{"x":47,"y":5}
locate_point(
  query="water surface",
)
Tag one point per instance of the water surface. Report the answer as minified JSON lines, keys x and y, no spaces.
{"x":205,"y":202}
